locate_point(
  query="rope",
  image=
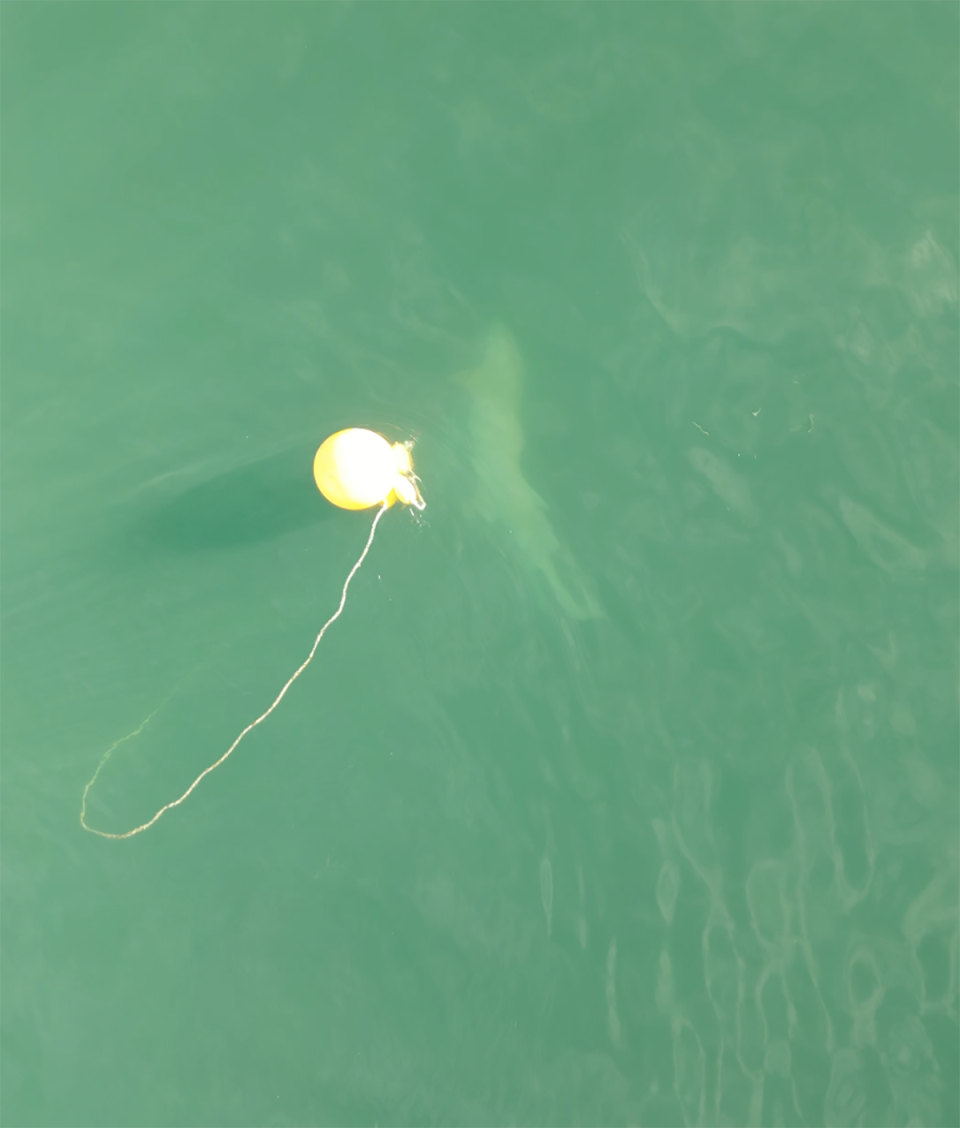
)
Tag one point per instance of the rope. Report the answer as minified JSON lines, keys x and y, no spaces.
{"x":253,"y":724}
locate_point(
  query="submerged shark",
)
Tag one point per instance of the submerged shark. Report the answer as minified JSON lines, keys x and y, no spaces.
{"x":503,"y":496}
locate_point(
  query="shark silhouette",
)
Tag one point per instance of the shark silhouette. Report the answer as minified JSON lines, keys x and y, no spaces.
{"x":503,"y":495}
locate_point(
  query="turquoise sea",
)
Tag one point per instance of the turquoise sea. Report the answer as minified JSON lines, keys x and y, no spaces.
{"x":625,"y":790}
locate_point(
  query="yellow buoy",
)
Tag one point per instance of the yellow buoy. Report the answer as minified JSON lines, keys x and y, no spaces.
{"x":357,"y":468}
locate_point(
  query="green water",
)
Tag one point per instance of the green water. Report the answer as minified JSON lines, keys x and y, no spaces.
{"x":626,"y":789}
